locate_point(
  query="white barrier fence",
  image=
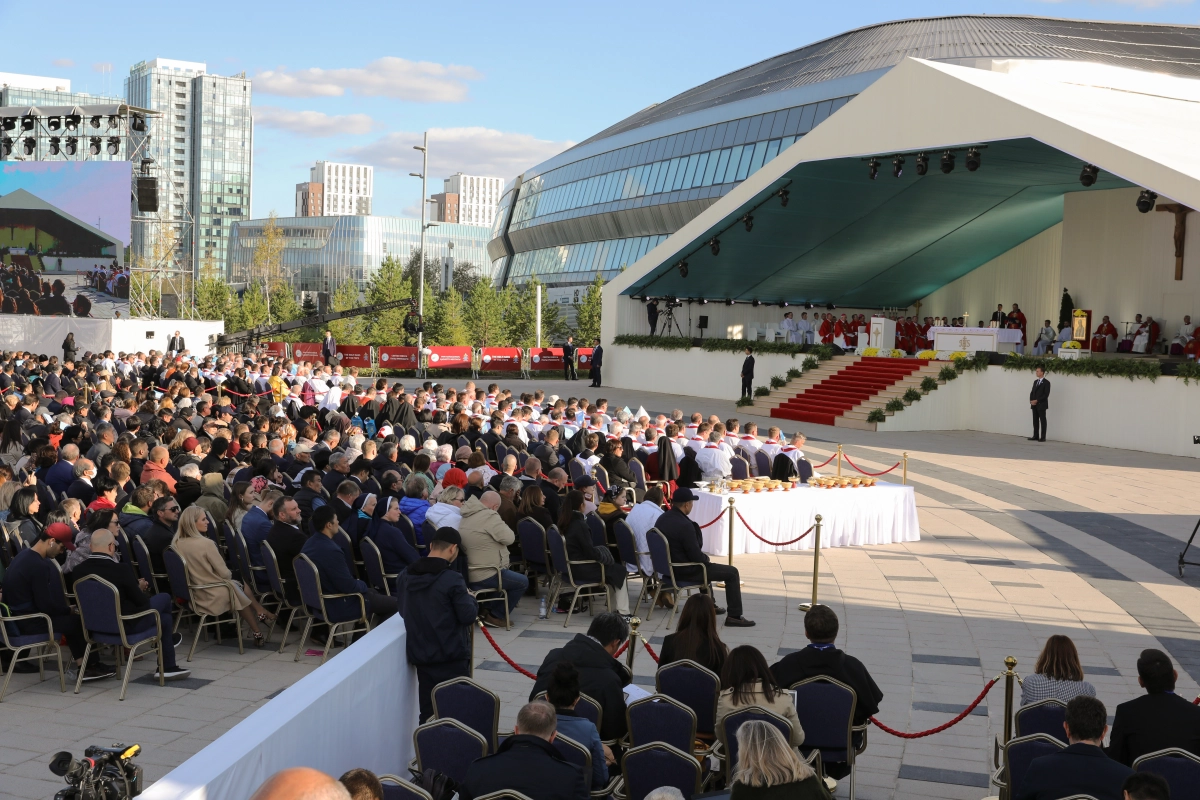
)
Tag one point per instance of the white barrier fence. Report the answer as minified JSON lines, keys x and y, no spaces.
{"x":359,"y":709}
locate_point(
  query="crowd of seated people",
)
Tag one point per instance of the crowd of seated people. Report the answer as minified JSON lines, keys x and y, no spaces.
{"x":111,"y":279}
{"x":24,"y":291}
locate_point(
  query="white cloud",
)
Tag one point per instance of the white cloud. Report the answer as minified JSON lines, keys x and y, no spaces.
{"x":313,"y":123}
{"x":65,"y":63}
{"x":398,"y":78}
{"x":102,"y":66}
{"x":475,"y":151}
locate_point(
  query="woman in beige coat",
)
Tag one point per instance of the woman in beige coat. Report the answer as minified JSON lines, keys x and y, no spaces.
{"x":205,"y":566}
{"x":746,"y":681}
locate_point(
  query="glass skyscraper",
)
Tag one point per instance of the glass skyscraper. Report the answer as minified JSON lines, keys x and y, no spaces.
{"x":202,"y":146}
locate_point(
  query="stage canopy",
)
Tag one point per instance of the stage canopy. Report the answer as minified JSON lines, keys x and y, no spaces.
{"x":852,"y":241}
{"x":24,"y":209}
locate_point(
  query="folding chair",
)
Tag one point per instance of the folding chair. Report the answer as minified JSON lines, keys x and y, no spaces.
{"x":1179,"y":768}
{"x":727,"y":732}
{"x":503,"y":794}
{"x":465,"y":701}
{"x":396,"y":788}
{"x":638,"y":468}
{"x":410,"y":533}
{"x":660,"y":557}
{"x":482,"y":595}
{"x":39,"y":646}
{"x":104,"y":624}
{"x":141,"y":554}
{"x":627,"y":548}
{"x":651,"y":766}
{"x":576,"y":470}
{"x":309,"y":581}
{"x":739,"y":468}
{"x":379,"y":580}
{"x":343,"y":541}
{"x":826,"y":711}
{"x":271,"y":564}
{"x":428,"y":531}
{"x":579,"y":756}
{"x":763,"y":463}
{"x":501,"y":453}
{"x":532,"y":538}
{"x":597,"y":529}
{"x":660,"y":718}
{"x":1019,"y":753}
{"x":447,"y":746}
{"x":1045,"y":716}
{"x":252,"y":577}
{"x":566,"y":578}
{"x":696,"y":688}
{"x":601,"y":476}
{"x":181,"y":589}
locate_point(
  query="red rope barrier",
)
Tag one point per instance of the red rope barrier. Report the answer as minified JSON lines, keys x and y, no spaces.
{"x":826,"y":461}
{"x":872,"y":474}
{"x":773,"y":544}
{"x":720,"y":517}
{"x":939,"y":728}
{"x":650,"y":651}
{"x":622,"y":649}
{"x":504,"y":655}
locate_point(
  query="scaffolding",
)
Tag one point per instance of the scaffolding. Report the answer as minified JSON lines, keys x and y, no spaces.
{"x":161,"y":279}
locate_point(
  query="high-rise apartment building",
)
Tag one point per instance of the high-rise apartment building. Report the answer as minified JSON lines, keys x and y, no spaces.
{"x":202,"y":146}
{"x":445,"y":207}
{"x":334,"y":190}
{"x":478,"y":197}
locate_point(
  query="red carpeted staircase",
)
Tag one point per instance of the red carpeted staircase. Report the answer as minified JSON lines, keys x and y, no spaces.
{"x":823,"y":403}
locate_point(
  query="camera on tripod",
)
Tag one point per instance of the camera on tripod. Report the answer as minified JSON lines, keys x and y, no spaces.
{"x":104,"y":773}
{"x":673,"y":302}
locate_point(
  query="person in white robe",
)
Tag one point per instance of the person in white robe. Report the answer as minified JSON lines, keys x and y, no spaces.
{"x":790,"y":329}
{"x":1064,"y":336}
{"x":804,"y":328}
{"x":1187,"y":332}
{"x":1045,"y":339}
{"x":1141,"y":340}
{"x":641,"y":519}
{"x":713,"y":461}
{"x":772,"y":445}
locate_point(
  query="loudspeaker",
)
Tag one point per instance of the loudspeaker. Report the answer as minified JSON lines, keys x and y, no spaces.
{"x":703,"y":322}
{"x":147,"y":194}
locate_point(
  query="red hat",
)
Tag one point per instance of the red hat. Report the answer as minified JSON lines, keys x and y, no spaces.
{"x":63,"y":533}
{"x":190,"y":444}
{"x":454,"y":477}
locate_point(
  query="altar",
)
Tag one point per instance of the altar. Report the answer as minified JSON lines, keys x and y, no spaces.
{"x":885,"y":513}
{"x":970,"y":340}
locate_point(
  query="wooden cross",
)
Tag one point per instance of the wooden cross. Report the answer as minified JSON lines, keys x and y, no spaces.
{"x":1180,"y":212}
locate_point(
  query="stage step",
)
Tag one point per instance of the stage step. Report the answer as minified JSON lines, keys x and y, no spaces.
{"x":847,"y":396}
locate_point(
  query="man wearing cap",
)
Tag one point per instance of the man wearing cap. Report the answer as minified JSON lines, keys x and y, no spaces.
{"x":684,"y":538}
{"x":438,"y":611}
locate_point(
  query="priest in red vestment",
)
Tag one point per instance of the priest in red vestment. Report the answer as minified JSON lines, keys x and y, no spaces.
{"x":826,"y":329}
{"x":1104,"y":337}
{"x":1019,"y":316}
{"x":840,"y":328}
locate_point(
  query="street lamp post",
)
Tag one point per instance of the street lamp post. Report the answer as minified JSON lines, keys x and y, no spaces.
{"x":424,"y":148}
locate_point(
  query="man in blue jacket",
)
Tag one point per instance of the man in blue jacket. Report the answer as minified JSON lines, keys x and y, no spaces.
{"x":437,"y":610}
{"x":1082,"y":768}
{"x":335,"y":574}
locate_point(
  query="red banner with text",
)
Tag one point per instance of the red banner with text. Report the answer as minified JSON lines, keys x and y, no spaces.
{"x":398,"y":357}
{"x":307,"y":351}
{"x":500,"y":359}
{"x":276,"y":349}
{"x":449,"y":358}
{"x":354,"y":355}
{"x":545,"y":358}
{"x":585,"y":357}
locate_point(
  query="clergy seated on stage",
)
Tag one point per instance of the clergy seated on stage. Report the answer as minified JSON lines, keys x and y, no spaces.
{"x":1045,"y":340}
{"x":825,"y":331}
{"x":1104,"y":338}
{"x":713,"y":460}
{"x":1064,"y":335}
{"x":1184,"y":337}
{"x":1131,"y":332}
{"x":841,"y":329}
{"x":1146,"y":337}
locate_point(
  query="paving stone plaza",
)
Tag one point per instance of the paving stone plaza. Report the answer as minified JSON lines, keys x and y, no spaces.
{"x":1019,"y":540}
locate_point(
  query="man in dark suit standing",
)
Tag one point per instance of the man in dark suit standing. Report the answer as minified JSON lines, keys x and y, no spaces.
{"x":597,"y":363}
{"x":176,"y":345}
{"x":569,"y":373}
{"x":1158,"y":719}
{"x":999,"y":316}
{"x":328,"y":347}
{"x":1039,"y":401}
{"x":748,"y":373}
{"x":1082,"y":768}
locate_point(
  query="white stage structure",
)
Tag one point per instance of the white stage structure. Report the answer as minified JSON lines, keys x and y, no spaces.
{"x":46,"y":334}
{"x":359,"y":709}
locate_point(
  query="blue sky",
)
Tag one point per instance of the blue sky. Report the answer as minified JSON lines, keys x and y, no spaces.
{"x":501,"y":86}
{"x":96,"y":192}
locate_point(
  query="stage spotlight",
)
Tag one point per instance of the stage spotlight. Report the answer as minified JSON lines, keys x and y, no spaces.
{"x":922,"y":164}
{"x":54,"y":123}
{"x":96,"y":122}
{"x":947,"y":162}
{"x":73,"y":121}
{"x":974,"y":159}
{"x":783,"y":197}
{"x":682,"y":266}
{"x":1089,"y":174}
{"x":715,"y":245}
{"x":703,"y":301}
{"x":1145,"y":201}
{"x":114,"y":145}
{"x":10,"y":123}
{"x":755,"y":303}
{"x":897,"y":166}
{"x":783,"y":303}
{"x":873,"y":168}
{"x":139,"y":123}
{"x":28,"y":122}
{"x":808,"y":306}
{"x":113,"y":122}
{"x":728,"y":301}
{"x":55,"y":145}
{"x":94,"y":145}
{"x":830,"y":307}
{"x":6,"y":146}
{"x":748,"y":221}
{"x":28,"y":145}
{"x":72,"y":146}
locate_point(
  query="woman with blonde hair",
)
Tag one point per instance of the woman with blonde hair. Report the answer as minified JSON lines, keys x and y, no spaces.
{"x":1057,"y":675}
{"x":768,"y":769}
{"x":207,"y":567}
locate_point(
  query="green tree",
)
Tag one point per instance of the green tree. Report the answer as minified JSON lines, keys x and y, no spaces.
{"x":253,"y":307}
{"x":212,"y":298}
{"x":484,"y":315}
{"x":587,"y":312}
{"x":266,"y":262}
{"x":522,"y":317}
{"x":446,"y":323}
{"x":389,"y":283}
{"x":347,"y":331}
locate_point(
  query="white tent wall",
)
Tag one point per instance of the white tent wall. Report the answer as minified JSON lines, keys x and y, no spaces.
{"x":130,"y":335}
{"x":46,"y":334}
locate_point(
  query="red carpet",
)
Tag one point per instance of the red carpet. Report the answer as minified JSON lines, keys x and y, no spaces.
{"x":842,"y":391}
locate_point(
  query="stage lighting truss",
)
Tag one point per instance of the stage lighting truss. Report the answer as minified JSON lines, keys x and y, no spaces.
{"x":1145,"y":201}
{"x":42,"y":136}
{"x":974,"y":159}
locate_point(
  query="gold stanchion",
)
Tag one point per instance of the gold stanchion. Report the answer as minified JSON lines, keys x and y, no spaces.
{"x":731,"y":531}
{"x":816,"y":559}
{"x":839,"y":455}
{"x":904,"y":477}
{"x":1010,"y":676}
{"x":634,"y":641}
{"x":471,"y":671}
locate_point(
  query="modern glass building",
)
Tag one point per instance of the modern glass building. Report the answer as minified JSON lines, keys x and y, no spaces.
{"x":601,"y":205}
{"x":320,"y":253}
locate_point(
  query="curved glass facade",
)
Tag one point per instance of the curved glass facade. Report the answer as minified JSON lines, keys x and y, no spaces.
{"x":579,"y":263}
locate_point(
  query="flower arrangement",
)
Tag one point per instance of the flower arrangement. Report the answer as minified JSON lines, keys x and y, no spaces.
{"x":870,"y":352}
{"x":1072,"y":345}
{"x":928,"y":355}
{"x":899,"y":354}
{"x":959,"y":354}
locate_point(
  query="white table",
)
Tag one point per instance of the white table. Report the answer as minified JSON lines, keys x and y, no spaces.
{"x":969,"y":340}
{"x":882,"y":514}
